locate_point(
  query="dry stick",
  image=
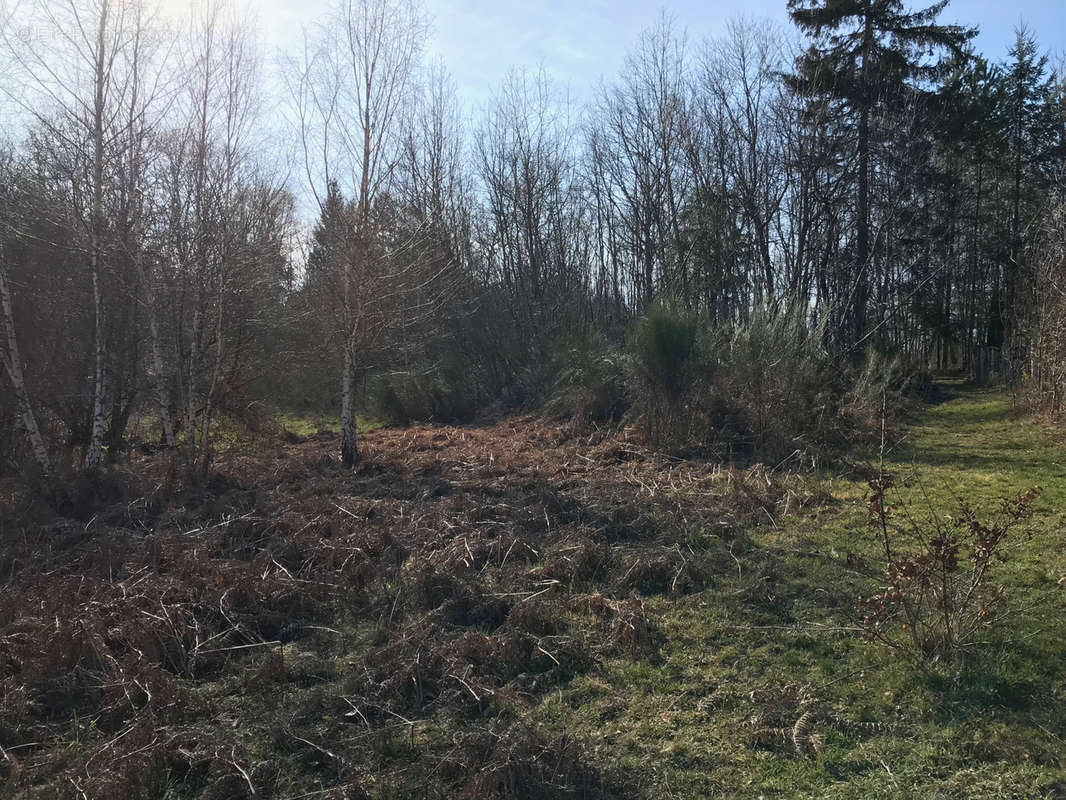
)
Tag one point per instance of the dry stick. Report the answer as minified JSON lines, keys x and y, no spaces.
{"x":356,"y":711}
{"x":881,"y":511}
{"x":14,"y":768}
{"x":798,"y":628}
{"x":315,"y":793}
{"x":320,"y":749}
{"x":240,"y":647}
{"x":346,"y":511}
{"x":470,"y":689}
{"x":198,"y":645}
{"x":233,"y":760}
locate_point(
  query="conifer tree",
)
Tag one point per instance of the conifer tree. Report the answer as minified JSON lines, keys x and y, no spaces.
{"x":863,"y":53}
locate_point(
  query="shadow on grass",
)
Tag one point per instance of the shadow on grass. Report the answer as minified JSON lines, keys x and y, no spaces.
{"x":1007,"y":681}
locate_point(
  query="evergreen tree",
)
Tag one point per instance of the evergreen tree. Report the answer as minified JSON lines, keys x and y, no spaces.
{"x":1035,"y":127}
{"x":1034,"y":124}
{"x":970,"y":142}
{"x":329,"y":240}
{"x":865,"y":52}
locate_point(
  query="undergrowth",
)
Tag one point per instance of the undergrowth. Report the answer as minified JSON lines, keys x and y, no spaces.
{"x":525,"y":610}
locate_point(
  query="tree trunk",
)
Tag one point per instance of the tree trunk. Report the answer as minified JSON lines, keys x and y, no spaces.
{"x":191,"y":367}
{"x":862,"y":244}
{"x":349,"y":448}
{"x":12,"y":362}
{"x":216,"y":372}
{"x":94,"y":452}
{"x":96,"y":434}
{"x":160,"y":388}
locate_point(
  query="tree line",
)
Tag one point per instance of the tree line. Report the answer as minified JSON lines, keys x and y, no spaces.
{"x":159,"y":269}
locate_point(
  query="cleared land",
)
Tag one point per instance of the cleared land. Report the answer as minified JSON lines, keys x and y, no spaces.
{"x":519,"y":611}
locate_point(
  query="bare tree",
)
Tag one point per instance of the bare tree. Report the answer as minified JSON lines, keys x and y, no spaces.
{"x":150,"y":98}
{"x":76,"y":91}
{"x":353,"y":88}
{"x":739,"y":94}
{"x":212,"y":199}
{"x":642,"y":121}
{"x":528,"y":174}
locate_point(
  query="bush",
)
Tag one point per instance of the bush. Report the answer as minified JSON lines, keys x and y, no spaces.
{"x":765,"y":388}
{"x":887,"y":383}
{"x":440,"y":395}
{"x":777,"y":380}
{"x":667,"y":370}
{"x":938,"y":599}
{"x":590,"y":382}
{"x":1042,"y":331}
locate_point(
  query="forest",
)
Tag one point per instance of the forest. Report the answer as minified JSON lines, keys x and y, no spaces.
{"x":701,"y":437}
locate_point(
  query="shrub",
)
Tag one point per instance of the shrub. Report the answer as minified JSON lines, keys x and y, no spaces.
{"x":1041,"y":334}
{"x":886,"y":383}
{"x":777,"y":379}
{"x":667,"y":368}
{"x":405,"y":397}
{"x":938,"y":597}
{"x":766,"y":387}
{"x":590,"y":382}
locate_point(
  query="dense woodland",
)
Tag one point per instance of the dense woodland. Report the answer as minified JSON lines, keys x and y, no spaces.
{"x":181,"y":243}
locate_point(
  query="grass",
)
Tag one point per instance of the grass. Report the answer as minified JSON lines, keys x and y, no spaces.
{"x":773,"y":640}
{"x":231,"y":436}
{"x":310,"y":424}
{"x":763,"y":687}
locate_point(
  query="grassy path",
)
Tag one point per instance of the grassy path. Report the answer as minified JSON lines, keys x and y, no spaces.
{"x":746,"y":660}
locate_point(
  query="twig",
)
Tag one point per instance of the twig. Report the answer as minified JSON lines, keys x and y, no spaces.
{"x":320,"y":749}
{"x":240,"y":647}
{"x":240,"y":769}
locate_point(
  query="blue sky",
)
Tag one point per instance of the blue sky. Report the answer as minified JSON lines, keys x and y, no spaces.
{"x":578,"y":41}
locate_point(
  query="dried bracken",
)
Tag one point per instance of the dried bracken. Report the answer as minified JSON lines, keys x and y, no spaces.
{"x":457,"y":573}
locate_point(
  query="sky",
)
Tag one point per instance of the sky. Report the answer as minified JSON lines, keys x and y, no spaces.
{"x":580,"y":41}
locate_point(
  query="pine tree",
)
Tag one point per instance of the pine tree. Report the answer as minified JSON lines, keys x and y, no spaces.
{"x":328,"y":287}
{"x":1034,"y":123}
{"x":865,"y":52}
{"x":329,"y":240}
{"x":970,"y":139}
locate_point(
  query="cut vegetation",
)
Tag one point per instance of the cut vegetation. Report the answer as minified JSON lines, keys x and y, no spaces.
{"x":521,"y":611}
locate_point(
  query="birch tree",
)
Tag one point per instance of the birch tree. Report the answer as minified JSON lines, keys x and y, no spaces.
{"x":149,"y":100}
{"x":351,"y":93}
{"x":210,"y":180}
{"x":11,"y":361}
{"x":75,"y":90}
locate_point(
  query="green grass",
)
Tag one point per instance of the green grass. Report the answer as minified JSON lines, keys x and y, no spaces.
{"x":774,"y":633}
{"x":310,"y":424}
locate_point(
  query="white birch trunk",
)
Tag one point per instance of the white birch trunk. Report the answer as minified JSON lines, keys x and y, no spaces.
{"x":137,"y":142}
{"x":96,"y":434}
{"x":349,"y":448}
{"x":12,"y":362}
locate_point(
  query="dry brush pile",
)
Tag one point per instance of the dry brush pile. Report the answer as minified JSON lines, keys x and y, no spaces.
{"x":298,"y":627}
